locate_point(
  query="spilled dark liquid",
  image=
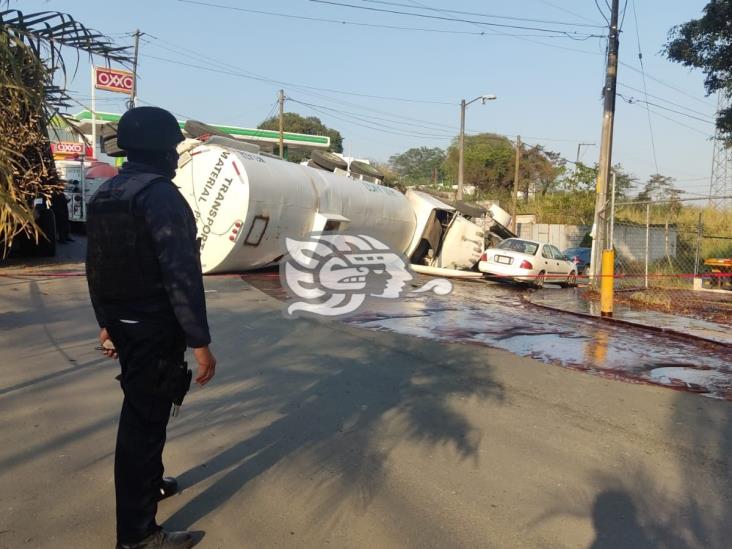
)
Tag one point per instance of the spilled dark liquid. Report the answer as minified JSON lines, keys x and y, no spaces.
{"x":496,"y":316}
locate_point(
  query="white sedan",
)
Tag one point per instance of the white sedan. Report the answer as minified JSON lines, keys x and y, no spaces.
{"x":529,"y":262}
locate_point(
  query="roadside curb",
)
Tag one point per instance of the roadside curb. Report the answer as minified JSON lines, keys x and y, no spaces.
{"x":648,"y":327}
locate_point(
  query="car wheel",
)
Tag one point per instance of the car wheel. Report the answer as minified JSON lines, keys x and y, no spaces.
{"x":571,"y":281}
{"x":197,"y":129}
{"x":539,"y":282}
{"x":111,"y":148}
{"x":361,"y":168}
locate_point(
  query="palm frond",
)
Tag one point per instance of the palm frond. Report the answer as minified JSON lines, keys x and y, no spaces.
{"x":31,"y":60}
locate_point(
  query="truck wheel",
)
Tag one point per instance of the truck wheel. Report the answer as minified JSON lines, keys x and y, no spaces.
{"x":361,"y":168}
{"x":46,"y":246}
{"x":110,"y":147}
{"x":197,"y":129}
{"x":328,"y":160}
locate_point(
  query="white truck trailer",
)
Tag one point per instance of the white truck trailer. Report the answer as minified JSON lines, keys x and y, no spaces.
{"x":246,"y":203}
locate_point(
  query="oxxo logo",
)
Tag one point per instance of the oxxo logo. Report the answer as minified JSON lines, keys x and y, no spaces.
{"x":333,"y":274}
{"x":68,"y":147}
{"x":113,"y":80}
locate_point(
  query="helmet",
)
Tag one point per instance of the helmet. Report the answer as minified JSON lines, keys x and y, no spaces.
{"x":148,"y":129}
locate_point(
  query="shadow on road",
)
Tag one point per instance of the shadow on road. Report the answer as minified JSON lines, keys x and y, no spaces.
{"x":695,"y":513}
{"x":685,"y":505}
{"x":342,"y":402}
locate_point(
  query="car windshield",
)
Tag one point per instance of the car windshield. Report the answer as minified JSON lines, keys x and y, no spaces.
{"x":520,"y":246}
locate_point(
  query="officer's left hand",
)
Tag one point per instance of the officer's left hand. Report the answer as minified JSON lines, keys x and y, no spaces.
{"x":109,"y":349}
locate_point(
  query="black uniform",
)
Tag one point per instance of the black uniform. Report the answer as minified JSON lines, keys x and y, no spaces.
{"x":146,"y":288}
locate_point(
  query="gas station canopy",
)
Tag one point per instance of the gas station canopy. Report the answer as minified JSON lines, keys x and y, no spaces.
{"x":267,"y":140}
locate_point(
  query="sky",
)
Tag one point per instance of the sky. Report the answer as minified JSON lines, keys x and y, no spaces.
{"x":389,"y":82}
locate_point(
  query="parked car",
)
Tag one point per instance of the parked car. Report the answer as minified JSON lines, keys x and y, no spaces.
{"x":528,"y":261}
{"x":580,"y":257}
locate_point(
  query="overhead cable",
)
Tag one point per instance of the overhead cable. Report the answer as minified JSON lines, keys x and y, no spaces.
{"x":487,"y":15}
{"x":569,"y":34}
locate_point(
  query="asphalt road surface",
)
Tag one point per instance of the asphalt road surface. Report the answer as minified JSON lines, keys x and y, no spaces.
{"x":318,"y":434}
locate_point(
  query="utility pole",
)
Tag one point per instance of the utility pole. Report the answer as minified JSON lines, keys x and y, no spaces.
{"x":461,"y":148}
{"x":282,"y":123}
{"x":606,"y":143}
{"x":516,"y":183}
{"x":132,"y":103}
{"x":461,"y":151}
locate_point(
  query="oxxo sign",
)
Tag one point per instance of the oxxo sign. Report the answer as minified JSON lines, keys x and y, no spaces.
{"x":68,"y":147}
{"x":113,"y":80}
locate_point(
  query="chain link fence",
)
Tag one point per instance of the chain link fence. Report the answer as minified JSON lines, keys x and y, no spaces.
{"x":674,"y":256}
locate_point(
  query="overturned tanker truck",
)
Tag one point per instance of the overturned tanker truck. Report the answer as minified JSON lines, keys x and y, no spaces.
{"x":246,"y":202}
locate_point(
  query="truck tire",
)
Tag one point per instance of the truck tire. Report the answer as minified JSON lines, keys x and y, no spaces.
{"x":361,"y":168}
{"x":328,"y":160}
{"x":110,"y":147}
{"x":46,"y":246}
{"x":197,"y":129}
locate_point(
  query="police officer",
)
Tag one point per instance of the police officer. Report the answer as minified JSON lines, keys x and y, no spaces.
{"x":145,"y":283}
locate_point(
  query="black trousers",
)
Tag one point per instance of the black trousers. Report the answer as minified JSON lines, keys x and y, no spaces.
{"x":138,"y":463}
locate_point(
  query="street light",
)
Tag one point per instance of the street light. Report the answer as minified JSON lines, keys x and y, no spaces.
{"x":463,"y":104}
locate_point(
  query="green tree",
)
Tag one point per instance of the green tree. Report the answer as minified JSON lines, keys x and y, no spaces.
{"x":417,"y":165}
{"x":311,"y":125}
{"x":539,"y":170}
{"x":583,"y":179}
{"x":488,"y":162}
{"x":659,"y":188}
{"x":706,"y":44}
{"x":31,"y":55}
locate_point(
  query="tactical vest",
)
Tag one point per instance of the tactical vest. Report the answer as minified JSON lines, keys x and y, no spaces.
{"x":121,"y":262}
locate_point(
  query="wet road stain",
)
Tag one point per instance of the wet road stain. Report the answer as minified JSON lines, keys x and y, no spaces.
{"x":495,"y":315}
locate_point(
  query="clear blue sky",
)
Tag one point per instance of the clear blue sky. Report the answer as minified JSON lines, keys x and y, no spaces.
{"x":548,"y":88}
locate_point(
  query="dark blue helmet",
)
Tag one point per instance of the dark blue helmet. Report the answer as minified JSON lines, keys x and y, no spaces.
{"x":148,"y":129}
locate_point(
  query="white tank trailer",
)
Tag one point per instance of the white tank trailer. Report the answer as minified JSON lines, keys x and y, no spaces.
{"x":246,"y":203}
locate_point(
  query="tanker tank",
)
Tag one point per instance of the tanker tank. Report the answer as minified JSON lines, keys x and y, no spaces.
{"x":245,"y":204}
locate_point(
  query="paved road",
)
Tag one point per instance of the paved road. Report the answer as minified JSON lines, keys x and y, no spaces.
{"x":322,"y":434}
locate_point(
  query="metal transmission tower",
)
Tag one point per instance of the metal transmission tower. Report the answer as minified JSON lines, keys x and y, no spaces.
{"x":720,"y":184}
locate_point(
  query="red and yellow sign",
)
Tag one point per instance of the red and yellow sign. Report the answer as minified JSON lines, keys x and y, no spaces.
{"x":113,"y":80}
{"x":70,"y":148}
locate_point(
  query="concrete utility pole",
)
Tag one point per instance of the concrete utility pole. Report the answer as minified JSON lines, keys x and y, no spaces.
{"x":461,"y":151}
{"x":461,"y":146}
{"x":132,"y":103}
{"x":514,"y":203}
{"x":606,"y":144}
{"x":282,"y":123}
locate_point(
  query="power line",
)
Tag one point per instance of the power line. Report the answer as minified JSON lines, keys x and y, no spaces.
{"x":634,"y":100}
{"x":488,"y":15}
{"x":570,"y":12}
{"x":692,"y":128}
{"x":569,"y":34}
{"x":327,"y":111}
{"x":602,"y":13}
{"x":353,"y":23}
{"x":294,"y":85}
{"x":625,"y":9}
{"x":645,"y":87}
{"x":679,"y":105}
{"x":659,"y":81}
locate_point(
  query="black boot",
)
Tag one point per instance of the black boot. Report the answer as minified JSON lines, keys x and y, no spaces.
{"x":168,"y":487}
{"x":162,"y":540}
